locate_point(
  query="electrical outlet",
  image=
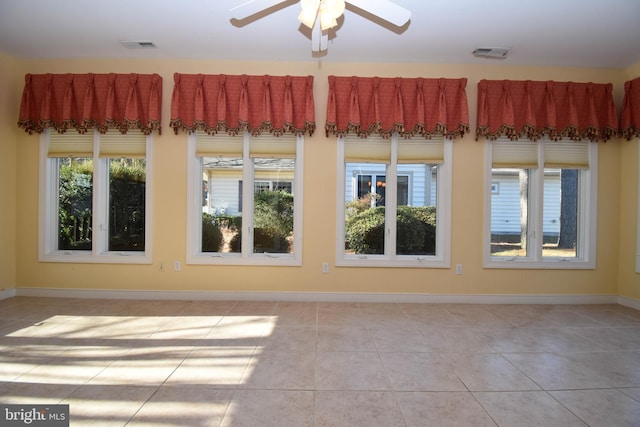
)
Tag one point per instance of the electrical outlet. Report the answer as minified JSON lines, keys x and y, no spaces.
{"x":458,"y":269}
{"x":177,"y":266}
{"x":325,"y":267}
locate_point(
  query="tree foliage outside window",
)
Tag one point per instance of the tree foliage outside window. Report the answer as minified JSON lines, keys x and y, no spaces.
{"x":127,"y":181}
{"x":75,"y":201}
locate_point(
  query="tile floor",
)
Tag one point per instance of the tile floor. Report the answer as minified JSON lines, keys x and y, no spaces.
{"x":216,"y":363}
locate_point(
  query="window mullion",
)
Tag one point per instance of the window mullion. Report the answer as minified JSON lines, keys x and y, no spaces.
{"x":248,"y":191}
{"x":538,"y":206}
{"x":100,"y":226}
{"x":391,"y":208}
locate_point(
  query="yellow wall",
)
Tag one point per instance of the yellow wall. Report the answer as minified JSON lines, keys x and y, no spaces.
{"x":169,"y":199}
{"x":629,"y":280}
{"x":9,"y":83}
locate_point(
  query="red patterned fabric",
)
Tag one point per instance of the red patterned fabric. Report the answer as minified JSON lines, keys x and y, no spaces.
{"x":630,"y":117}
{"x":409,"y":106}
{"x":231,"y":103}
{"x":533,"y":109}
{"x":83,"y":101}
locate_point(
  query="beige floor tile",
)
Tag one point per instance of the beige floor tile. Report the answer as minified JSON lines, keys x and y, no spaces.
{"x":106,"y":405}
{"x":516,"y":340}
{"x":633,"y":392}
{"x":398,"y":340}
{"x":65,"y":370}
{"x":557,"y":372}
{"x":140,"y":369}
{"x":430,"y":314}
{"x":601,"y":408}
{"x":621,"y":369}
{"x":420,"y":372}
{"x":442,"y":409}
{"x":490,"y":372}
{"x":23,"y":393}
{"x":288,"y":337}
{"x":476,"y":316}
{"x":357,"y":409}
{"x":344,"y":338}
{"x":527,"y":409}
{"x":570,"y":318}
{"x":350,"y":371}
{"x":610,"y":338}
{"x":296,"y":314}
{"x":270,"y":408}
{"x":456,"y":340}
{"x":566,"y":340}
{"x":340,"y":314}
{"x":288,"y":370}
{"x":217,"y":367}
{"x":298,"y":363}
{"x":183,"y":406}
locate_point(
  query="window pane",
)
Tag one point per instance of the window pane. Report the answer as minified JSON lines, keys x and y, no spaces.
{"x":273,"y":205}
{"x":416,"y":219}
{"x":75,"y":198}
{"x":221,"y":204}
{"x":509,"y":212}
{"x":560,"y":216}
{"x":364,"y":208}
{"x":127,"y":182}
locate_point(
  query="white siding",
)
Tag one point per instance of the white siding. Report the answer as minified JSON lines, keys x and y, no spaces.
{"x":505,"y":206}
{"x":224,"y":193}
{"x":421,"y":192}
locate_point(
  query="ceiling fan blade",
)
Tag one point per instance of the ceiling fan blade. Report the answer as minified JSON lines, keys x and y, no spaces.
{"x":251,"y":7}
{"x":384,"y":9}
{"x":319,"y":38}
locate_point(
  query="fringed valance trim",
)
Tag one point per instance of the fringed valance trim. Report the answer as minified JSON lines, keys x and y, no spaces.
{"x":556,"y":110}
{"x":630,"y":115}
{"x":232,"y":104}
{"x":91,"y":101}
{"x":408,"y":106}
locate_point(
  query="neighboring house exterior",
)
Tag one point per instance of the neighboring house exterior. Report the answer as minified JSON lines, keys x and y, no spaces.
{"x":505,"y":198}
{"x":222,"y":190}
{"x":222,"y":182}
{"x":416,"y":183}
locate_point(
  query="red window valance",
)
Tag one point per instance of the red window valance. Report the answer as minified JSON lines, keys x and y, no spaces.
{"x":409,"y":106}
{"x":557,"y":110}
{"x":630,"y":117}
{"x":83,"y":101}
{"x":213,"y":103}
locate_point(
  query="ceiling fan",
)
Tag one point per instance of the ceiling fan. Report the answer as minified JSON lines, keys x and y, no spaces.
{"x":322,"y":15}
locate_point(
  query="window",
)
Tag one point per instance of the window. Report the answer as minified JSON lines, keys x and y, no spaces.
{"x":393,"y":202}
{"x":544,"y":214}
{"x":245,"y":197}
{"x":94,"y":197}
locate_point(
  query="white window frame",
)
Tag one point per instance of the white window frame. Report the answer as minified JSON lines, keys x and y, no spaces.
{"x":442,"y":259}
{"x":587,"y":217}
{"x":48,"y":210}
{"x":638,"y":217}
{"x":246,"y":257}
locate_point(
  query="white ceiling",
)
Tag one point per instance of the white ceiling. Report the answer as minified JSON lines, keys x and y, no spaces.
{"x":582,"y":33}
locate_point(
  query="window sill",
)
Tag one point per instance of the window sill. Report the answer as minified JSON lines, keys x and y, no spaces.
{"x":382,"y":261}
{"x":215,"y":258}
{"x":90,"y":258}
{"x":552,"y":264}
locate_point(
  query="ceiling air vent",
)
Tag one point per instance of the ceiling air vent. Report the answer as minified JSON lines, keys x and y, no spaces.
{"x":491,"y":52}
{"x":138,"y":44}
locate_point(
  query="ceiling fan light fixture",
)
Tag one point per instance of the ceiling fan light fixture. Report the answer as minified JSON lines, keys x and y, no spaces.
{"x":309,"y":12}
{"x":328,"y":11}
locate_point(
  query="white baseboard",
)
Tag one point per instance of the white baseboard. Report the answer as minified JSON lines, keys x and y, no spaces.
{"x":7,"y":293}
{"x":629,"y":302}
{"x":315,"y":296}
